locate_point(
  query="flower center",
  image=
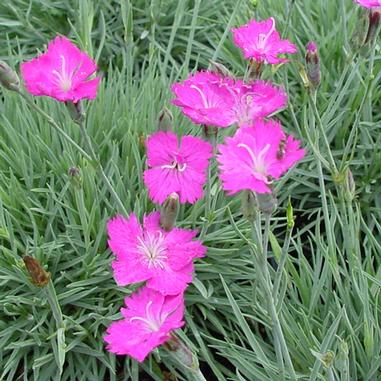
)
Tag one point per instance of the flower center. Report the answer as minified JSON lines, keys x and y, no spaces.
{"x":63,"y":76}
{"x":263,"y":37}
{"x":153,"y":250}
{"x":181,"y":167}
{"x":152,"y":323}
{"x":259,"y":170}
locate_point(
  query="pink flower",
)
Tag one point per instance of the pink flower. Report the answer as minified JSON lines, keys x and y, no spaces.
{"x":148,"y":253}
{"x":148,"y":321}
{"x":256,"y":100}
{"x":176,"y":166}
{"x":205,"y":99}
{"x":210,"y":99}
{"x":261,"y":41}
{"x":369,"y":3}
{"x":255,"y":155}
{"x":63,"y":73}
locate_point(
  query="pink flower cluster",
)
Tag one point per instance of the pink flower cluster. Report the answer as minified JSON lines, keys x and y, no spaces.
{"x":258,"y":153}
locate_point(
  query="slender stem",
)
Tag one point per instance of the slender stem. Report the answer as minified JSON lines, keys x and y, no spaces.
{"x":282,"y":263}
{"x":265,"y":278}
{"x":95,"y":158}
{"x":52,"y":122}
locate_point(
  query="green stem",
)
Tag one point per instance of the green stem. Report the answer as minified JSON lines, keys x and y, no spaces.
{"x":95,"y":158}
{"x":52,"y":122}
{"x":282,"y":263}
{"x":281,"y":348}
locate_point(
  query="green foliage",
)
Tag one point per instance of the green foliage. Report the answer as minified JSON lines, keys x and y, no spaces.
{"x":329,"y":291}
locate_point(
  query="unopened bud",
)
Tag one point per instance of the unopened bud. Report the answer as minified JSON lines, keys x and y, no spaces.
{"x":267,"y":202}
{"x":218,"y":68}
{"x":374,"y":23}
{"x":8,"y":77}
{"x":248,"y":205}
{"x":75,"y":176}
{"x":182,"y":353}
{"x":290,"y":215}
{"x":169,"y":212}
{"x":210,"y":133}
{"x":165,"y":120}
{"x":350,"y":186}
{"x":326,"y":358}
{"x":76,"y":111}
{"x":360,"y":32}
{"x":313,"y":64}
{"x":39,"y":276}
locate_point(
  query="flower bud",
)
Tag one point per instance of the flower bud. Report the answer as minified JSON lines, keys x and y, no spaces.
{"x":210,"y":133}
{"x":248,"y":205}
{"x":374,"y":23}
{"x":360,"y":32}
{"x":169,"y":212}
{"x":182,"y":353}
{"x":76,"y":111}
{"x":165,"y":121}
{"x":313,"y":64}
{"x":290,"y":215}
{"x":218,"y":68}
{"x":350,"y":186}
{"x":39,"y":276}
{"x":267,"y":202}
{"x":75,"y":177}
{"x":8,"y":77}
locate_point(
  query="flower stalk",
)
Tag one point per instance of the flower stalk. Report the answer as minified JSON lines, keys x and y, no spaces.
{"x":264,"y":278}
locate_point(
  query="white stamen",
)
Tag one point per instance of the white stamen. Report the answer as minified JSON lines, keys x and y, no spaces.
{"x":263,"y":37}
{"x":153,"y":250}
{"x":203,"y":97}
{"x":152,"y":323}
{"x":259,"y":165}
{"x":64,"y":78}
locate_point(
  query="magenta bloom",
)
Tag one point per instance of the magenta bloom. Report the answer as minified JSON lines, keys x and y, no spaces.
{"x":176,"y":167}
{"x":256,"y":100}
{"x":205,"y":99}
{"x":63,"y":73}
{"x":148,"y":321}
{"x":255,"y":156}
{"x":261,"y":41}
{"x":148,"y":253}
{"x":210,"y":99}
{"x":369,"y":3}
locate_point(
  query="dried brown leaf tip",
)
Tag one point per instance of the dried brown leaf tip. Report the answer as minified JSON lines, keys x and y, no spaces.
{"x":39,"y":276}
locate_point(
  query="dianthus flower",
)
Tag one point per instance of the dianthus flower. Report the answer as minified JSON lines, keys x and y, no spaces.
{"x":261,"y":41}
{"x":210,"y":99}
{"x":148,"y":321}
{"x":63,"y":73}
{"x":149,"y":253}
{"x":176,"y":166}
{"x":256,"y":155}
{"x":369,"y":3}
{"x":205,"y":99}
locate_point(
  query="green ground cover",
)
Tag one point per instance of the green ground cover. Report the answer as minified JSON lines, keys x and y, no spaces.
{"x":329,"y":298}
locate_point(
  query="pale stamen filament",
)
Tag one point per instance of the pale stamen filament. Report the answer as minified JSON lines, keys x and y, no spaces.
{"x":202,"y":95}
{"x":64,"y":78}
{"x":259,"y":165}
{"x":152,"y":324}
{"x":263,"y":37}
{"x":153,"y":250}
{"x":175,"y":165}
